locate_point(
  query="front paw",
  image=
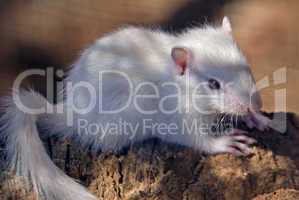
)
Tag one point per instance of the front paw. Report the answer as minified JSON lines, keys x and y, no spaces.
{"x":235,"y":143}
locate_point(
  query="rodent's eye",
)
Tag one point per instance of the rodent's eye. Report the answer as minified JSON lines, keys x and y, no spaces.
{"x":214,"y":84}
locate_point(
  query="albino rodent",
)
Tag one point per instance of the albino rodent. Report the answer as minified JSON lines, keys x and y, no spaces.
{"x":164,"y":71}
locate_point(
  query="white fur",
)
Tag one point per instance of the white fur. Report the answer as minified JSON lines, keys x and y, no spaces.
{"x":27,"y":156}
{"x":144,"y":55}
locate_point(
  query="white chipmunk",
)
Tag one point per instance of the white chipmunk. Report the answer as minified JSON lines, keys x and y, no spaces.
{"x":165,"y":71}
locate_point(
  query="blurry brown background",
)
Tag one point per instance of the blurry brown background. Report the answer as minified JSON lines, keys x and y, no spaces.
{"x":42,"y":33}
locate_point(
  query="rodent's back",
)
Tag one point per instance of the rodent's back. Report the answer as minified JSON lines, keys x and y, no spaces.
{"x":134,"y":47}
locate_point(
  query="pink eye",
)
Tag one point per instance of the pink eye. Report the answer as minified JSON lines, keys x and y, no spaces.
{"x":213,"y":84}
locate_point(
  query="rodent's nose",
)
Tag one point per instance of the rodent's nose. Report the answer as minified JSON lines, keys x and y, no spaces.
{"x":256,"y":102}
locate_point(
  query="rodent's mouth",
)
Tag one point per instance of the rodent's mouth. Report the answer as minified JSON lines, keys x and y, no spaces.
{"x":252,"y":119}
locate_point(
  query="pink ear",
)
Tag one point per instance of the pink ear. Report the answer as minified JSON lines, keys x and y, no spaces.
{"x":181,"y":56}
{"x":226,"y":25}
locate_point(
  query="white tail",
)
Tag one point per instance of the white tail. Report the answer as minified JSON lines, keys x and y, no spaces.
{"x":27,"y":156}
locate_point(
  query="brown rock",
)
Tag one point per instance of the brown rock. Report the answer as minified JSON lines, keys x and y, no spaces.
{"x":164,"y":171}
{"x":281,"y":194}
{"x":154,"y":170}
{"x":13,"y":188}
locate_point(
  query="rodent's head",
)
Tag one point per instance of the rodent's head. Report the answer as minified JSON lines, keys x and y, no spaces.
{"x":217,"y":70}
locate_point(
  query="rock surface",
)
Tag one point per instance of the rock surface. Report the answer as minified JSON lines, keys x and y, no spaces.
{"x":281,"y":194}
{"x":155,"y":170}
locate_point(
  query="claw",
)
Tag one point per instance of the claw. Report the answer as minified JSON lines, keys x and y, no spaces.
{"x":234,"y":151}
{"x":235,"y":143}
{"x":245,"y":139}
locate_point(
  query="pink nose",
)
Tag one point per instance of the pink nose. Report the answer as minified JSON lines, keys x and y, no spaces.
{"x":256,"y":102}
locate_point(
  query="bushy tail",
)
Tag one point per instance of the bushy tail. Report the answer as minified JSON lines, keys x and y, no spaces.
{"x":27,"y":156}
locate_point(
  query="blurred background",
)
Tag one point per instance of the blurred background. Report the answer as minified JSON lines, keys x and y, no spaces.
{"x":44,"y":33}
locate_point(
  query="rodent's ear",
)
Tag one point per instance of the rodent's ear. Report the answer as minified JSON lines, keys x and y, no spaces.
{"x":226,"y":25}
{"x":181,"y":56}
